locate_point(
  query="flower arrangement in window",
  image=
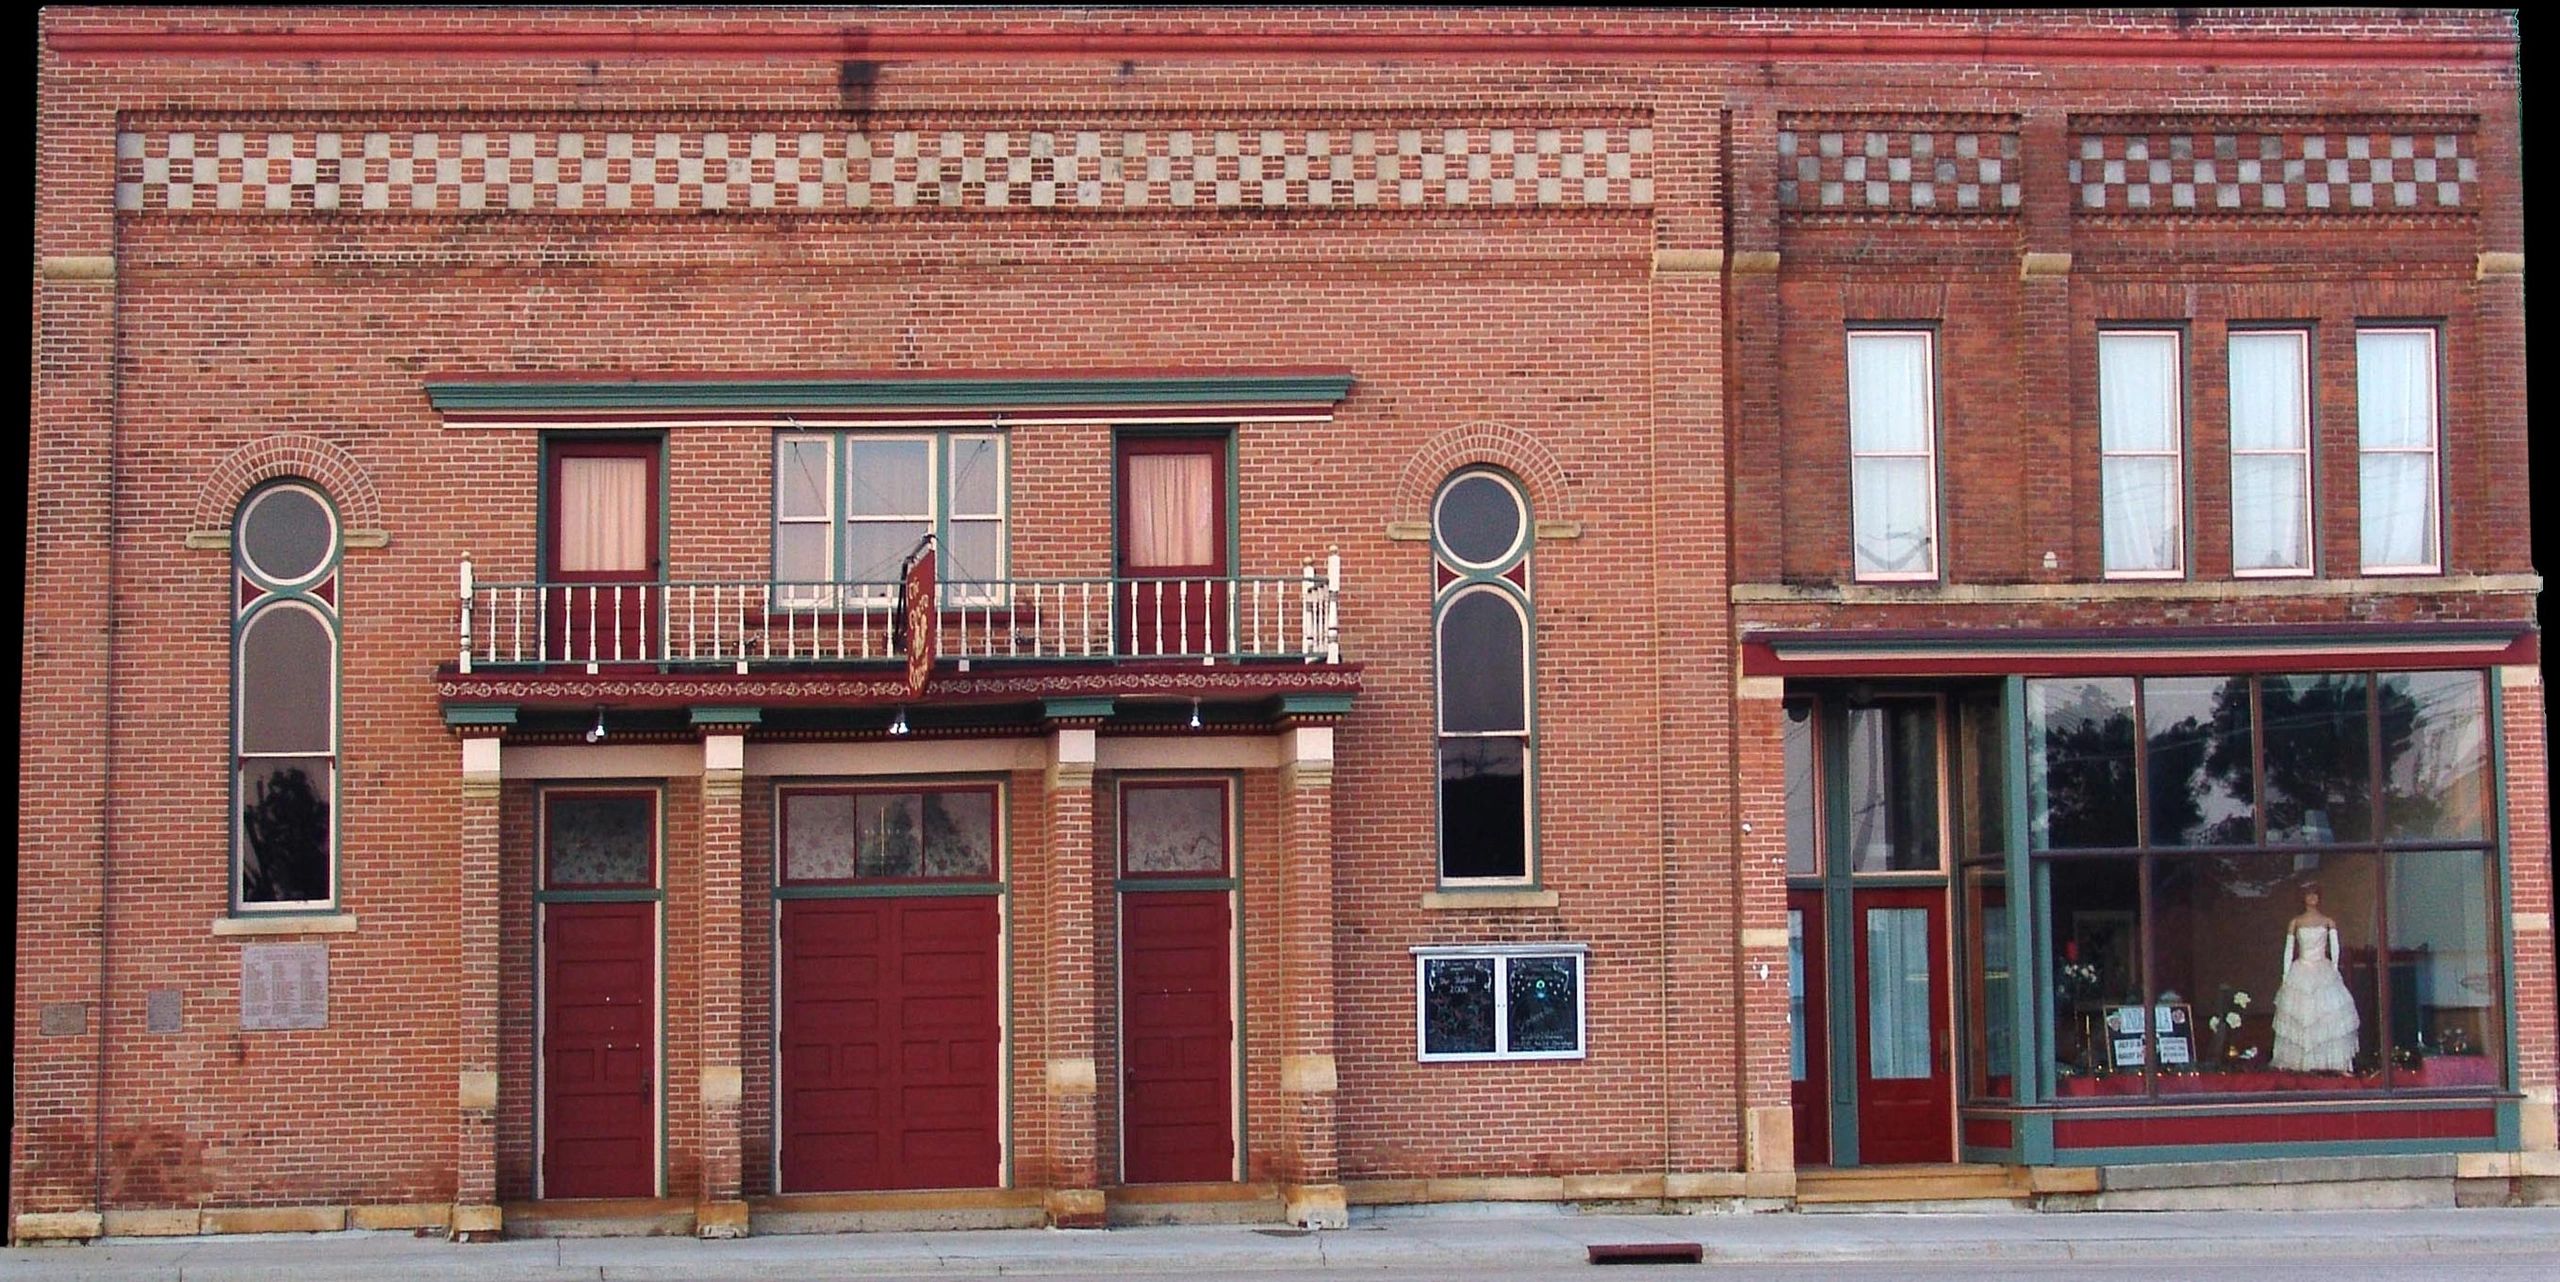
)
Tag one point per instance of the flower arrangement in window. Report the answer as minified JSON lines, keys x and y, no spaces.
{"x":2236,"y":1006}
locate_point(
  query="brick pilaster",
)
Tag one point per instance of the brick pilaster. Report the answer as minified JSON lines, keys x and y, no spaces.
{"x":1075,"y":1198}
{"x":476,"y":911}
{"x":1312,"y":1166}
{"x":2528,"y":809}
{"x":720,"y":1209}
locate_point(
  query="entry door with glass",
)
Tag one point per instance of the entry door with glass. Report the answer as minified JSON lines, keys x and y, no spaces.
{"x":602,"y":553}
{"x":1173,"y":546}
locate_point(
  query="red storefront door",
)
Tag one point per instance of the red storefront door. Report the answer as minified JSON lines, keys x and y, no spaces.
{"x":1177,"y":977}
{"x":1810,"y":1087}
{"x":891,"y":1060}
{"x":599,"y":1049}
{"x":1906,"y":1085}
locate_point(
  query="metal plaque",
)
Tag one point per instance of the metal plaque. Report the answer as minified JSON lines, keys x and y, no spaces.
{"x":284,"y":986}
{"x":164,"y":1010}
{"x":65,"y":1019}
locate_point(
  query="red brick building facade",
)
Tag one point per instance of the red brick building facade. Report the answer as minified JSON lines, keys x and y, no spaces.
{"x":1787,"y":478}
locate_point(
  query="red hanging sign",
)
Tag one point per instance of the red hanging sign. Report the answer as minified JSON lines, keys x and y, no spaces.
{"x":922,"y":622}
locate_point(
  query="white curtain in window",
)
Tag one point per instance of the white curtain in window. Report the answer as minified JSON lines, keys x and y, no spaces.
{"x":604,"y":515}
{"x":1889,"y":436}
{"x":2395,"y":422}
{"x":2138,"y":435}
{"x":2269,"y":490}
{"x":1170,"y":512}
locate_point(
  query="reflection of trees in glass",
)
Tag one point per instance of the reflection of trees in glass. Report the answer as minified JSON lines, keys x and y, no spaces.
{"x":2088,"y":767}
{"x":286,"y":822}
{"x":2434,"y":742}
{"x":2319,"y":778}
{"x":2197,"y":758}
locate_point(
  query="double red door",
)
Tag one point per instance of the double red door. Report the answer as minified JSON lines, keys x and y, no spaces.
{"x":599,"y":1049}
{"x":1904,"y":1079}
{"x":892,"y":1064}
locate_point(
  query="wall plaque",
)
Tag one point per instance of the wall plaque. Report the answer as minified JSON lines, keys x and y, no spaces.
{"x":284,"y":985}
{"x":164,"y":1011}
{"x":64,"y":1019}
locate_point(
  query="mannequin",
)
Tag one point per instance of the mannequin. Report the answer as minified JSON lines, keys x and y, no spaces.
{"x":2316,"y":1020}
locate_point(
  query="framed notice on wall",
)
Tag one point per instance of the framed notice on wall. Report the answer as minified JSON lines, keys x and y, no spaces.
{"x":284,"y":986}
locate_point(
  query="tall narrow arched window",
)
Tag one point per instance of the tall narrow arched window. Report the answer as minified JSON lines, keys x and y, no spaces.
{"x":1482,"y":630}
{"x":284,"y":700}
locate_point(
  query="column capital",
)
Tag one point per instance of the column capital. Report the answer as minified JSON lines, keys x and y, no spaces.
{"x":480,"y":765}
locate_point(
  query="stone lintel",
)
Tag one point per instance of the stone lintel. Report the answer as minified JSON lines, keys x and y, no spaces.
{"x":87,"y":268}
{"x":2499,"y":265}
{"x":2033,"y":265}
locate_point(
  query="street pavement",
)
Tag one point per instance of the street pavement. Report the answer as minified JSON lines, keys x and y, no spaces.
{"x":2419,"y":1245}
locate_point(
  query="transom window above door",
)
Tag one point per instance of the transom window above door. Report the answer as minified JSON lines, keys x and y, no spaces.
{"x":849,"y":506}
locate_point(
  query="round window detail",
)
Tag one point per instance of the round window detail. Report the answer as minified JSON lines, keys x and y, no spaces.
{"x":1481,"y":522}
{"x":286,"y":534}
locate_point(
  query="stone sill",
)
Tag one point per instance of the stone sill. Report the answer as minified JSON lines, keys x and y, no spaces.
{"x":328,"y":924}
{"x":1487,"y":900}
{"x":2131,"y":590}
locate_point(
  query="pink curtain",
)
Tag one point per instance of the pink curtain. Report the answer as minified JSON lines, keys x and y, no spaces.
{"x":604,"y":515}
{"x":1170,"y":512}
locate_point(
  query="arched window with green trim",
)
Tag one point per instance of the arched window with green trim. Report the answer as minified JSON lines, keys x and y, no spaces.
{"x":284,"y":700}
{"x":1483,"y":631}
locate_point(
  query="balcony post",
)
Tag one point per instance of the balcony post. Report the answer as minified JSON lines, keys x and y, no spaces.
{"x":466,"y":614}
{"x":1332,"y":604}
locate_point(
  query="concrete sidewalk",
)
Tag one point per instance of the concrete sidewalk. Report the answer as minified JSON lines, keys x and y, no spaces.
{"x":1457,"y":1242}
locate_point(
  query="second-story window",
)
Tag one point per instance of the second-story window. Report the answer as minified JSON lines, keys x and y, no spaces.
{"x":849,"y":506}
{"x":2271,"y":452}
{"x":2396,"y":439}
{"x":1481,"y":534}
{"x":2140,"y":433}
{"x":1893,"y":453}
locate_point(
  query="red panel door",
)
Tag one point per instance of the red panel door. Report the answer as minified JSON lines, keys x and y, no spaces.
{"x":1810,"y":1092}
{"x":891,"y":1059}
{"x":603,"y":552}
{"x":1173,"y":545}
{"x":1906,"y":1087}
{"x":599,"y":1050}
{"x":1177,"y":1037}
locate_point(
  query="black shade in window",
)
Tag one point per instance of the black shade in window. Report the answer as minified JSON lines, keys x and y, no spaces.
{"x":287,"y":671}
{"x":1483,"y":808}
{"x":284,"y":830}
{"x":1457,"y":1006}
{"x":1482,"y":668}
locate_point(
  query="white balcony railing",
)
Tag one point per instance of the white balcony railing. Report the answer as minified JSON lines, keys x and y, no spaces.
{"x":742,"y":624}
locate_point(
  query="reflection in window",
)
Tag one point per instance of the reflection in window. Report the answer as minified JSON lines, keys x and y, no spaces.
{"x":1480,"y":654}
{"x":2202,"y":780}
{"x":2220,"y":934}
{"x":285,"y":699}
{"x":1988,"y":978}
{"x":2317,"y":771}
{"x":1893,"y":786}
{"x":1795,"y":995}
{"x":2080,"y":764}
{"x":1173,"y":829}
{"x":2435,"y":771}
{"x":1803,"y":803}
{"x":593,"y":840}
{"x":942,"y":834}
{"x":2446,"y":973}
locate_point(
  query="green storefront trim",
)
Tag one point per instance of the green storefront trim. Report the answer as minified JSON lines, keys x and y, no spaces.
{"x":884,"y":393}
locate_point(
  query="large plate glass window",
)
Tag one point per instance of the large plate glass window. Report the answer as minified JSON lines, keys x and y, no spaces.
{"x":1893,"y":453}
{"x":1483,"y":630}
{"x":2270,"y":884}
{"x":1523,"y":1002}
{"x":285,"y":543}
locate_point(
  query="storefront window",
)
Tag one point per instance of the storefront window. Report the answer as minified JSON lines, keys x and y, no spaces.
{"x":1991,"y":1054}
{"x":1893,"y":787}
{"x":2258,"y":938}
{"x":1803,"y":805}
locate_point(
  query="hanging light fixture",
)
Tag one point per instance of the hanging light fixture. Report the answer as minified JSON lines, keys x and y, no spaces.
{"x":898,"y":725}
{"x":1195,"y":714}
{"x":596,"y":735}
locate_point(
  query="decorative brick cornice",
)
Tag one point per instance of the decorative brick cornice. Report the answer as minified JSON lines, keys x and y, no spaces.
{"x":289,"y":454}
{"x":2306,"y":165}
{"x":1857,"y":164}
{"x":816,"y":166}
{"x":1499,"y":444}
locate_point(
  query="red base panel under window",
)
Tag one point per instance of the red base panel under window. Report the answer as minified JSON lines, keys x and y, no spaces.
{"x":2277,"y":1128}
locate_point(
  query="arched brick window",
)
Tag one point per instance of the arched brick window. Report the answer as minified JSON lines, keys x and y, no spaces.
{"x":1483,"y":628}
{"x":285,"y":542}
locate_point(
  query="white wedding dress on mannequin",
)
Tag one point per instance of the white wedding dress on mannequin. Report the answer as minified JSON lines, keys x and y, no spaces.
{"x":2316,"y":1021}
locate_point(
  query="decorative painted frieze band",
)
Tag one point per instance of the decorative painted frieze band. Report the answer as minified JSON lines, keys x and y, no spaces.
{"x":2403,"y":166}
{"x":1862,"y":165}
{"x":551,"y":169}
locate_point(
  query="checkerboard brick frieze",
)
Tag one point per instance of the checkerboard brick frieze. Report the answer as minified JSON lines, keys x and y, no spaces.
{"x":1880,"y":165}
{"x":552,"y":168}
{"x":2387,"y":165}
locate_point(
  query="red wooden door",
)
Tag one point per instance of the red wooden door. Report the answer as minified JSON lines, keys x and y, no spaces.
{"x":1810,"y":1089}
{"x":603,"y":552}
{"x":1906,"y":1087}
{"x":891,"y":1054}
{"x":599,"y":1049}
{"x":1177,"y":1038}
{"x":1173,"y":546}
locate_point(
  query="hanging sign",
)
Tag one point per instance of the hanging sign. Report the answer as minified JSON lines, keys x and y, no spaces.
{"x":920,"y":623}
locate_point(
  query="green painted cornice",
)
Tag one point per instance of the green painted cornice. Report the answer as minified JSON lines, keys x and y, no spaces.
{"x":888,"y":392}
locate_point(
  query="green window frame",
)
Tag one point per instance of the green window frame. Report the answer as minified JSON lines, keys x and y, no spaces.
{"x":1482,"y":730}
{"x":274,"y":800}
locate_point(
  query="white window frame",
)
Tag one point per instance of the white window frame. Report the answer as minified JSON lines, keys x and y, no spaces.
{"x":947,"y":497}
{"x":931,"y":515}
{"x":2310,"y":528}
{"x":2175,"y":454}
{"x":1502,"y":955}
{"x":2433,"y":452}
{"x":1929,"y":456}
{"x":938,"y":515}
{"x":809,"y":598}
